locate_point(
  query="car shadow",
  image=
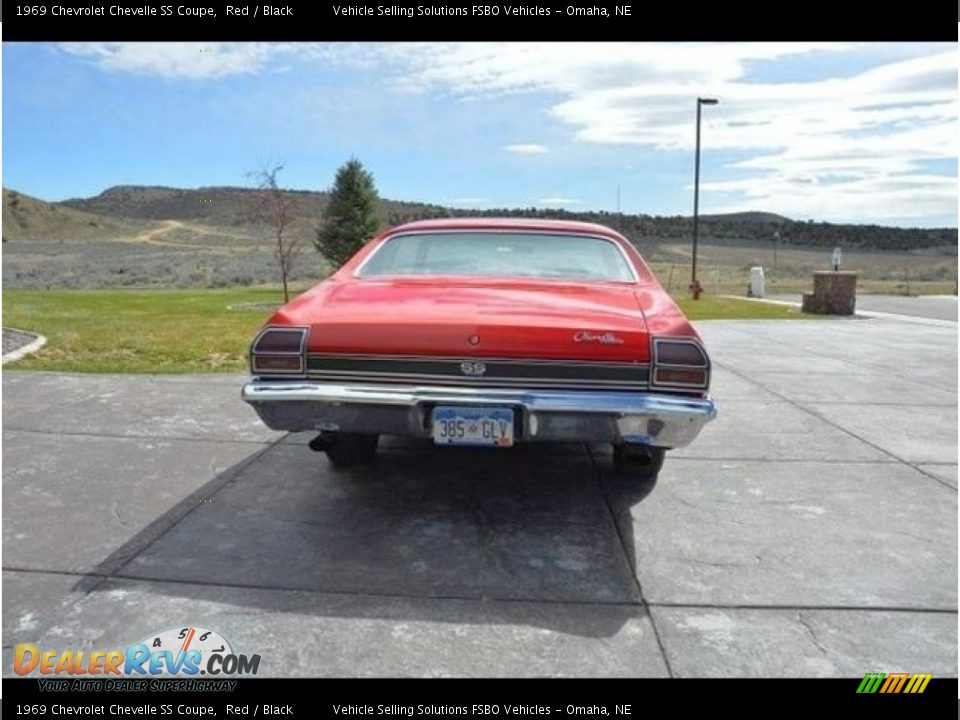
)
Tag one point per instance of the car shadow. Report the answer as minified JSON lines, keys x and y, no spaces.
{"x":538,"y":535}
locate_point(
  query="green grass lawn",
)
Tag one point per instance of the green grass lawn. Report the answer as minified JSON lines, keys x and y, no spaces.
{"x":713,"y":307}
{"x":152,"y":331}
{"x":179,"y":331}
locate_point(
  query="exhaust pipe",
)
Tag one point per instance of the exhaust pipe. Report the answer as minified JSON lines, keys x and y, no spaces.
{"x":636,"y":456}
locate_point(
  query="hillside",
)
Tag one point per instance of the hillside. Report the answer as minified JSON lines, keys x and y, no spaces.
{"x":214,"y":206}
{"x":138,"y":236}
{"x":26,"y":218}
{"x":755,"y":228}
{"x":224,"y":207}
{"x":747,"y":217}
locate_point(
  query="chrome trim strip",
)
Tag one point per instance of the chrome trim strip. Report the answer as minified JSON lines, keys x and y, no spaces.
{"x":502,"y":231}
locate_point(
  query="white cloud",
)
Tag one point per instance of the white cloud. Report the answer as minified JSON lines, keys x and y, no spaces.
{"x":846,"y":146}
{"x":468,"y":201}
{"x":559,"y":201}
{"x":526,"y":149}
{"x":849,"y":144}
{"x":191,"y":60}
{"x":493,"y":68}
{"x":877,"y":198}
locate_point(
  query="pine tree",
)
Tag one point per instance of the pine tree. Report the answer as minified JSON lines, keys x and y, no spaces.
{"x":350,"y":218}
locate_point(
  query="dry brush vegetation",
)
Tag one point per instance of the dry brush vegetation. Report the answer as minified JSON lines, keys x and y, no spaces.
{"x":143,"y":237}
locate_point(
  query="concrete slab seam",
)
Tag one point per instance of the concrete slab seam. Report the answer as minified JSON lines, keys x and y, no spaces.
{"x":626,"y":557}
{"x":869,"y":365}
{"x":493,"y":600}
{"x":830,"y":422}
{"x":191,"y":507}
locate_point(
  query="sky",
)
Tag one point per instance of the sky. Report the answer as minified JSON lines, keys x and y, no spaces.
{"x":843,"y":132}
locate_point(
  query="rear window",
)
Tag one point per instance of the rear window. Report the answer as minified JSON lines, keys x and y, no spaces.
{"x":500,"y":254}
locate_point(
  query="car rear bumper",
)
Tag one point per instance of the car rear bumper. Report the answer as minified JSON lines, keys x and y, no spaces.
{"x":661,"y":420}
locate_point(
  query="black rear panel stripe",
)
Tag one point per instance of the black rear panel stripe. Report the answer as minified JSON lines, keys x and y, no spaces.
{"x":382,"y":368}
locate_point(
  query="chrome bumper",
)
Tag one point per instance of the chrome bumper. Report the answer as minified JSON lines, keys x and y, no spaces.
{"x":635,"y":417}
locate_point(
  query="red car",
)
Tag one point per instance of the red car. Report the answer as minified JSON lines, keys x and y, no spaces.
{"x":486,"y":332}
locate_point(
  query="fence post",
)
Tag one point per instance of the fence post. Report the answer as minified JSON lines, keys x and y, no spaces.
{"x":670,"y":279}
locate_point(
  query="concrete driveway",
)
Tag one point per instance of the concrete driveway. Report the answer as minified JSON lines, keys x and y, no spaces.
{"x":811,"y":531}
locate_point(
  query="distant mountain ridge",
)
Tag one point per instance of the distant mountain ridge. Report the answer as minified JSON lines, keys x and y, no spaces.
{"x":752,"y":216}
{"x":26,"y":217}
{"x":219,"y":206}
{"x":130,"y":206}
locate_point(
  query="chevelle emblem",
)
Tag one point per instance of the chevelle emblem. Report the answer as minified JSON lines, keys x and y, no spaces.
{"x":585,"y":336}
{"x":476,"y":369}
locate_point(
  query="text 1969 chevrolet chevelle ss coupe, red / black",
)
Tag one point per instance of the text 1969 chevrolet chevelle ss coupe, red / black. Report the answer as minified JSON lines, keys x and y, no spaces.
{"x":486,"y":332}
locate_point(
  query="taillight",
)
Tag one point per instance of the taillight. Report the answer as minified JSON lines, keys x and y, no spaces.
{"x":679,"y":363}
{"x":279,"y":350}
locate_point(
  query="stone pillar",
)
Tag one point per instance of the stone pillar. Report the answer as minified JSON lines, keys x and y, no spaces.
{"x":834,"y":293}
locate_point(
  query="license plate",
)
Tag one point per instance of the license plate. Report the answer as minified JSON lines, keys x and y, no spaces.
{"x":472,"y":426}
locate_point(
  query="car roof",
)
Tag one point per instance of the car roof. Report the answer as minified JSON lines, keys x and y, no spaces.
{"x":484,"y":223}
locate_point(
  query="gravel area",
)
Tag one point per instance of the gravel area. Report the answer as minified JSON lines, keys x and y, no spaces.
{"x":14,"y":340}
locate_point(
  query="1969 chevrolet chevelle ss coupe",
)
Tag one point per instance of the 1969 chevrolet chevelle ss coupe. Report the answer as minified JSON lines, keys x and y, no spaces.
{"x":486,"y":332}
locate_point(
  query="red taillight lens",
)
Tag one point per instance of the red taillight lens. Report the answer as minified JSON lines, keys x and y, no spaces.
{"x":679,"y":363}
{"x":276,"y":362}
{"x":279,"y":350}
{"x":676,"y":376}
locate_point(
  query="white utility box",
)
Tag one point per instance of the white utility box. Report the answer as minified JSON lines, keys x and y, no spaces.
{"x":756,"y":282}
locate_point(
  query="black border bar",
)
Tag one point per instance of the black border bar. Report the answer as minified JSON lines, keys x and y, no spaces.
{"x":641,"y":697}
{"x":743,"y":21}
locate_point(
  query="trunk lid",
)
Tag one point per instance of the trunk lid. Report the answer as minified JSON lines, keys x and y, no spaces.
{"x":454,"y":317}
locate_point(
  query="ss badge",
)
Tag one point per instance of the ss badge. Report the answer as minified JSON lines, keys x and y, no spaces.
{"x":474,"y":369}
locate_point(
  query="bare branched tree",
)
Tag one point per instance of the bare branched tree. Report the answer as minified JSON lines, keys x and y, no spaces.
{"x":272,"y":208}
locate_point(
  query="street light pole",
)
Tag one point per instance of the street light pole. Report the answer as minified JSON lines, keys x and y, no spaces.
{"x":696,"y":196}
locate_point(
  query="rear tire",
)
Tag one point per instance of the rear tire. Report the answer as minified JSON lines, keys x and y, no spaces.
{"x":349,"y":449}
{"x":638,"y":462}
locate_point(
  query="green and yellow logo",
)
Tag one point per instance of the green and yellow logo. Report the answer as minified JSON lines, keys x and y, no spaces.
{"x":894,"y":683}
